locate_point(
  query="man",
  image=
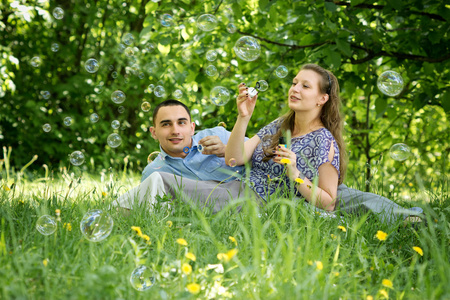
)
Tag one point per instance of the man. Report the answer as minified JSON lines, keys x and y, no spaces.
{"x":205,"y":170}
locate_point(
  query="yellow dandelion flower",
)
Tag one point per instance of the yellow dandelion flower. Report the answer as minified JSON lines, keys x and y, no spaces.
{"x":336,"y":274}
{"x":342,"y":228}
{"x":6,"y":188}
{"x":182,"y":242}
{"x":309,"y":262}
{"x":387,"y":283}
{"x":137,"y":229}
{"x":285,"y":161}
{"x":193,"y":288}
{"x":45,"y":262}
{"x":190,"y":256}
{"x":232,"y":239}
{"x":227,"y":256}
{"x":381,"y":235}
{"x":67,"y":226}
{"x":169,"y":224}
{"x":299,"y":180}
{"x":418,"y":250}
{"x":186,"y":268}
{"x":333,"y":236}
{"x":384,"y":294}
{"x":369,"y":297}
{"x":145,"y":237}
{"x":319,"y":265}
{"x":104,"y":194}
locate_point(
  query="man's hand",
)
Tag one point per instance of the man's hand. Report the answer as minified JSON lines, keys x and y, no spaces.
{"x":213,"y":145}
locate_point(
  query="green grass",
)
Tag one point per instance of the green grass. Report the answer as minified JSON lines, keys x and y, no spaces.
{"x":280,"y":249}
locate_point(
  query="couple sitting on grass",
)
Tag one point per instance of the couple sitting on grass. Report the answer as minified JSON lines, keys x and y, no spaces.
{"x":198,"y":166}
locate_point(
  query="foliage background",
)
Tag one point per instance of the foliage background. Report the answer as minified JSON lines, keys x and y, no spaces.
{"x":357,"y":40}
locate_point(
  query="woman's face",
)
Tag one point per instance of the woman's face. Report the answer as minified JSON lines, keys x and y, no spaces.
{"x":305,"y":94}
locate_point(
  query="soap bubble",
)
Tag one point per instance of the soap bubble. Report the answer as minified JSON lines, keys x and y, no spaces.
{"x":77,"y":158}
{"x":35,"y":61}
{"x":96,"y":225}
{"x":150,"y":87}
{"x":121,"y":109}
{"x":211,"y":55}
{"x":130,"y":51}
{"x":177,"y":94}
{"x":46,"y":127}
{"x":232,"y":162}
{"x":281,"y":71}
{"x":118,"y":96}
{"x":247,"y":48}
{"x":150,"y":47}
{"x":152,"y":156}
{"x":68,"y":121}
{"x":400,"y":152}
{"x":99,"y":89}
{"x":46,"y":225}
{"x":114,"y":74}
{"x":45,"y":94}
{"x":152,"y":67}
{"x":390,"y":83}
{"x":186,"y":54}
{"x":262,"y":85}
{"x":200,"y":148}
{"x":55,"y":47}
{"x":167,"y":20}
{"x":114,"y":140}
{"x":145,"y":106}
{"x":220,"y":95}
{"x":252,"y":92}
{"x":142,"y":278}
{"x":211,"y":70}
{"x":91,"y":65}
{"x":207,"y":22}
{"x":128,"y":39}
{"x":58,"y":13}
{"x":159,"y":91}
{"x":94,"y":118}
{"x":222,"y":124}
{"x":231,"y":28}
{"x":115,"y":124}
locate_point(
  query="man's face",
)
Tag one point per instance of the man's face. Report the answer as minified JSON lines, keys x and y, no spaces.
{"x":173,"y":130}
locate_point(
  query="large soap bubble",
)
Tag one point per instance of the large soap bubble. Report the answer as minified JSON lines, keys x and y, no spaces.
{"x":167,"y":20}
{"x":114,"y":140}
{"x":115,"y":124}
{"x":390,"y":83}
{"x":211,"y":70}
{"x":142,"y":278}
{"x":35,"y":61}
{"x":262,"y":85}
{"x":77,"y":158}
{"x":68,"y":121}
{"x":46,"y":225}
{"x":211,"y":55}
{"x":58,"y":13}
{"x":159,"y":91}
{"x":94,"y":118}
{"x":220,"y":95}
{"x":400,"y":152}
{"x":91,"y":65}
{"x":247,"y":48}
{"x":152,"y":156}
{"x":118,"y":96}
{"x":145,"y":106}
{"x":177,"y":94}
{"x":281,"y":71}
{"x":96,"y":225}
{"x":207,"y":22}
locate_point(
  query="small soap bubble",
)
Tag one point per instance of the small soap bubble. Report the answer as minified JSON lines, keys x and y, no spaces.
{"x":211,"y":55}
{"x":118,"y":96}
{"x":150,"y":47}
{"x":114,"y":140}
{"x":121,"y":48}
{"x":94,"y":118}
{"x":77,"y":158}
{"x":252,"y":92}
{"x":167,"y":20}
{"x":207,"y":22}
{"x":128,"y":39}
{"x":159,"y":91}
{"x":400,"y":152}
{"x":141,"y":75}
{"x":177,"y":94}
{"x":211,"y":70}
{"x":262,"y":86}
{"x":55,"y":47}
{"x":91,"y":65}
{"x":121,"y":109}
{"x":281,"y":71}
{"x":45,"y":94}
{"x":232,"y":162}
{"x":200,"y":148}
{"x":46,"y":127}
{"x":145,"y":106}
{"x":46,"y":225}
{"x":150,"y":87}
{"x":35,"y":61}
{"x":115,"y":124}
{"x":231,"y":28}
{"x":186,"y":54}
{"x":129,"y":51}
{"x":390,"y":83}
{"x":68,"y":121}
{"x":96,"y":225}
{"x":247,"y":48}
{"x":114,"y":74}
{"x":142,"y":278}
{"x":152,"y":156}
{"x":220,"y":95}
{"x":111,"y":67}
{"x":222,"y":124}
{"x":58,"y":13}
{"x":99,"y":89}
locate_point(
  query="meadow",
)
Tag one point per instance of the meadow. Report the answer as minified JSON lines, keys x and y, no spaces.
{"x":283,"y":250}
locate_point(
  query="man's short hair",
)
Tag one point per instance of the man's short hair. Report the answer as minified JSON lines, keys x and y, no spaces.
{"x":170,"y":102}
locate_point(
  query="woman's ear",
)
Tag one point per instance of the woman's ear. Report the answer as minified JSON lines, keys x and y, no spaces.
{"x":323,"y":99}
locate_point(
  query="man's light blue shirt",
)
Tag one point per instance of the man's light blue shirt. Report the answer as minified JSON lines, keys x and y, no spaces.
{"x":196,"y":165}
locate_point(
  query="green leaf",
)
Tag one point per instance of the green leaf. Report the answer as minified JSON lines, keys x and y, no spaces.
{"x":446,"y":101}
{"x":344,"y":47}
{"x":380,"y":106}
{"x":356,"y":2}
{"x":330,"y":6}
{"x":237,"y":10}
{"x":150,"y":7}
